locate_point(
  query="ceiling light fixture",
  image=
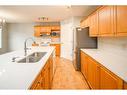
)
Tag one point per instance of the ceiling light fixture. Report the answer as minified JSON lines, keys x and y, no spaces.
{"x":43,"y":18}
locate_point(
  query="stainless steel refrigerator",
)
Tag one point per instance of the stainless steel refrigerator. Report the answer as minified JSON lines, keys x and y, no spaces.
{"x":81,"y":39}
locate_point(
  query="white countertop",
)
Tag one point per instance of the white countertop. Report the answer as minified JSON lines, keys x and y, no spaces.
{"x":113,"y":62}
{"x":15,"y":75}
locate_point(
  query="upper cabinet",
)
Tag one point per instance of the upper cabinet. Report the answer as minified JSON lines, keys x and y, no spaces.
{"x":85,"y":22}
{"x":37,"y":30}
{"x":94,"y":24}
{"x":105,"y":21}
{"x":121,"y":20}
{"x":55,"y":28}
{"x":40,"y":30}
{"x":45,"y":30}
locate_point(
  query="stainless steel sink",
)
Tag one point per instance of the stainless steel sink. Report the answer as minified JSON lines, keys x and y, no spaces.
{"x":34,"y":57}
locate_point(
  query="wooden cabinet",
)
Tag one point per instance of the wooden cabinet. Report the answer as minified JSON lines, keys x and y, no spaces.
{"x":108,"y":80}
{"x":121,"y":20}
{"x":93,"y":24}
{"x":125,"y":85}
{"x":93,"y":73}
{"x":37,"y":30}
{"x":38,"y":83}
{"x":45,"y":30}
{"x":57,"y":49}
{"x":84,"y":64}
{"x":97,"y":76}
{"x":55,"y":28}
{"x":82,"y":23}
{"x":90,"y":70}
{"x":106,"y":21}
{"x":85,"y":22}
{"x":40,"y":30}
{"x":51,"y":68}
{"x":44,"y":78}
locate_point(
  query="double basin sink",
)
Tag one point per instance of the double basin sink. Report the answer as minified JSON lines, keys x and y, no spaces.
{"x":34,"y":57}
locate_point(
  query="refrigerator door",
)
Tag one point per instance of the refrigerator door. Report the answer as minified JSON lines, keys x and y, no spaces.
{"x":77,"y":60}
{"x":81,"y":39}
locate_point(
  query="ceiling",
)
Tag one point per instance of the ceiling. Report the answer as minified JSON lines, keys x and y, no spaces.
{"x":28,"y":14}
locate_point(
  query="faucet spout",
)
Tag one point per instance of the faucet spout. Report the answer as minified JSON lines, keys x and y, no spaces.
{"x":25,"y":45}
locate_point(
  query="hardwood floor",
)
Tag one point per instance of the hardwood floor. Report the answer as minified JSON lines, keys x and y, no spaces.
{"x":66,"y":77}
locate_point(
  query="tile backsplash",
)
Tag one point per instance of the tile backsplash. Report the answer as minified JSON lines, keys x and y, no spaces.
{"x":113,"y":45}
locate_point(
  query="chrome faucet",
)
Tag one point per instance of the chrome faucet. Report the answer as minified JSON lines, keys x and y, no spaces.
{"x":25,"y":47}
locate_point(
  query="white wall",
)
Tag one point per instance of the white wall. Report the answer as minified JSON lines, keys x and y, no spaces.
{"x":17,"y":33}
{"x":114,"y":46}
{"x":67,"y":36}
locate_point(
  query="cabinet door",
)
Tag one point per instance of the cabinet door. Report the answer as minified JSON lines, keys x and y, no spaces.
{"x":51,"y":68}
{"x":38,"y":86}
{"x":109,"y":81}
{"x":82,"y":23}
{"x":84,"y":64}
{"x":37,"y":31}
{"x":55,"y":28}
{"x":46,"y":76}
{"x":87,"y":22}
{"x":45,"y":30}
{"x":121,"y":15}
{"x":94,"y":24}
{"x":37,"y":83}
{"x":57,"y":49}
{"x":106,"y":21}
{"x":125,"y":85}
{"x":93,"y":73}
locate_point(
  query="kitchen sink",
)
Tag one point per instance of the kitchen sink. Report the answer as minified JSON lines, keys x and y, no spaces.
{"x":34,"y":57}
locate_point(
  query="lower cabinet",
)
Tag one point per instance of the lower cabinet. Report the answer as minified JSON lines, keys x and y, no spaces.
{"x":108,"y":80}
{"x":125,"y":85}
{"x":57,"y":48}
{"x":93,"y":73}
{"x":99,"y":77}
{"x":44,"y":78}
{"x":84,"y":65}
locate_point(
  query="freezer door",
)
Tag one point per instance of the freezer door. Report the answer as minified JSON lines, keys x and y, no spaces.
{"x":83,"y":40}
